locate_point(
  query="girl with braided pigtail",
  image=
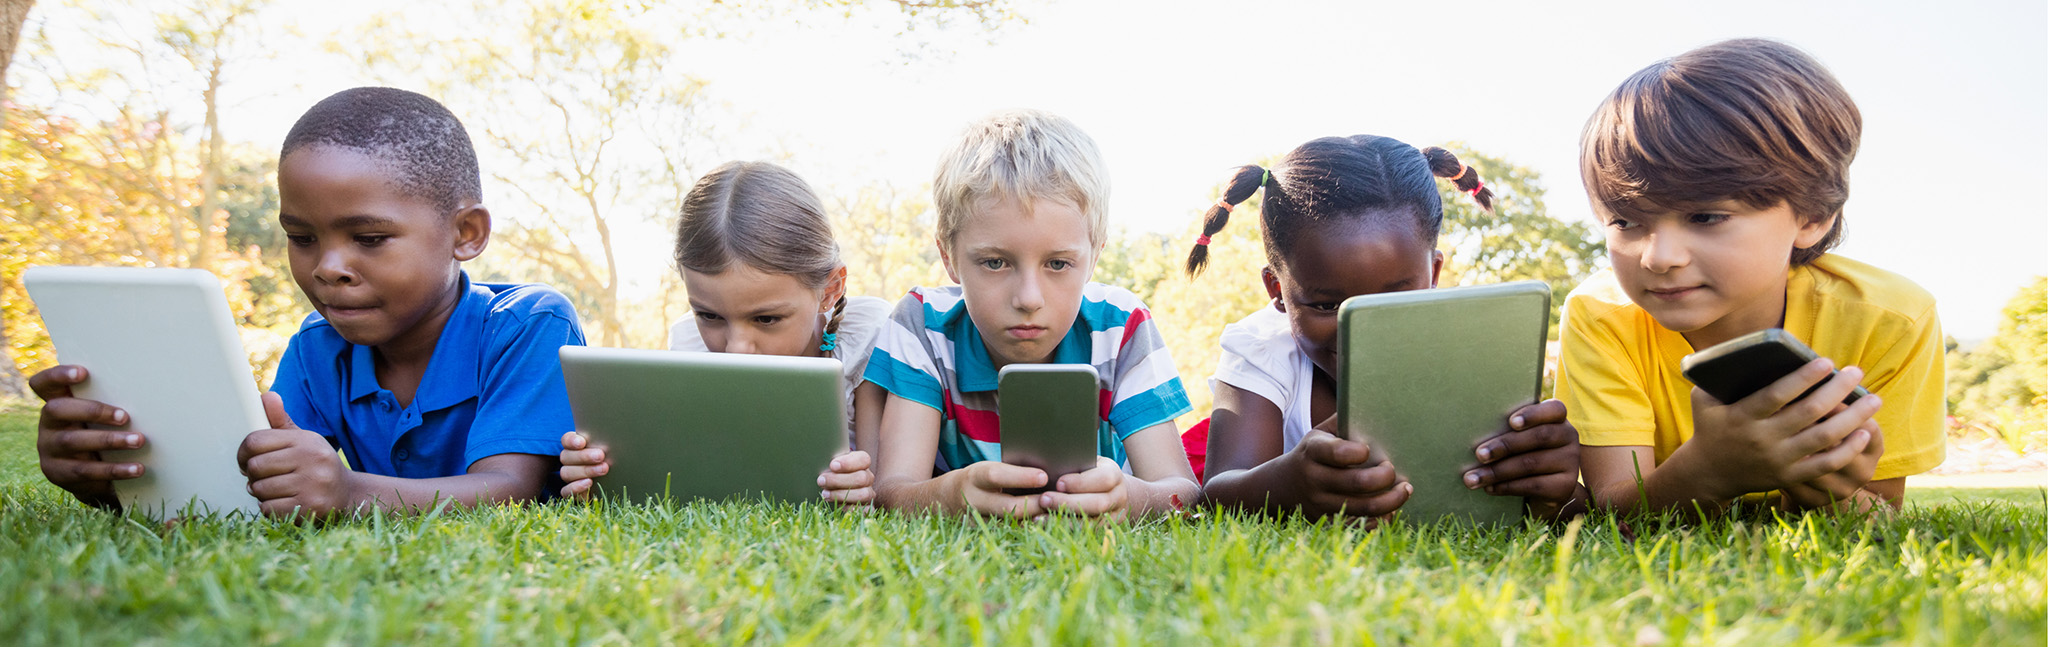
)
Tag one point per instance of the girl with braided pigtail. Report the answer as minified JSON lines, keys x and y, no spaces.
{"x":1345,"y":216}
{"x":764,"y":277}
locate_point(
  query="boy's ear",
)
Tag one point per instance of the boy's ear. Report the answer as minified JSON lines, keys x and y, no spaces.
{"x":1811,"y":231}
{"x":834,"y":291}
{"x":1436,"y":266}
{"x":946,"y":259}
{"x":472,"y":231}
{"x":1272,"y":282}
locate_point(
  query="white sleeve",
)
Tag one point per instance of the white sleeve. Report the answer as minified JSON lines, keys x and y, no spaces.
{"x":683,"y":335}
{"x":1259,"y":358}
{"x":858,"y":328}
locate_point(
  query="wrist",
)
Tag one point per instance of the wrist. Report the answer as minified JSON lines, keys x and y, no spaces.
{"x":1701,"y":481}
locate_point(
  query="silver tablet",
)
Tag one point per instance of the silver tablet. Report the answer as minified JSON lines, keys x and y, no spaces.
{"x":160,"y":344}
{"x":1051,"y":414}
{"x":682,"y":425}
{"x":1426,"y":374}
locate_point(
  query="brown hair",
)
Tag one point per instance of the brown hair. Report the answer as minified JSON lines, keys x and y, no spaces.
{"x":1751,"y":120}
{"x":1338,"y":178}
{"x":763,"y":216}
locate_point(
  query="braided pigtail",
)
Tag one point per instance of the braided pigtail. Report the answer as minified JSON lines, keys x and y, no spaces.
{"x":1246,"y":181}
{"x":1445,"y":164}
{"x":831,"y":334}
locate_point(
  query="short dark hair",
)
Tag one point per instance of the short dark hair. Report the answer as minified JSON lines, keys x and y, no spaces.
{"x":1336,"y":179}
{"x":423,"y":145}
{"x":1752,"y":120}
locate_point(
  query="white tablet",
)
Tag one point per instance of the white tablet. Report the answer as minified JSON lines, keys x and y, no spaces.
{"x":1426,"y":374}
{"x":160,"y":344}
{"x":680,"y":425}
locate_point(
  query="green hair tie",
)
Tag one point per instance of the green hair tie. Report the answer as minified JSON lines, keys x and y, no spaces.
{"x":1265,"y":177}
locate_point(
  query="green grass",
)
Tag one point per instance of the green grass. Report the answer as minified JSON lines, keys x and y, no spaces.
{"x":1947,"y":571}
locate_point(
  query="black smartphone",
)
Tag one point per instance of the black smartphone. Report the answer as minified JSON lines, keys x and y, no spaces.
{"x":1050,"y":415}
{"x":1734,"y":369}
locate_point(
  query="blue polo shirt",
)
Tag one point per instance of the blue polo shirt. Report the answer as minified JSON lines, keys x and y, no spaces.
{"x":493,"y":386}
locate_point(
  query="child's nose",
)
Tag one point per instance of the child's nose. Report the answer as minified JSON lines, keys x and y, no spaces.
{"x":1030,"y":293}
{"x":1665,"y":252}
{"x":333,"y":268}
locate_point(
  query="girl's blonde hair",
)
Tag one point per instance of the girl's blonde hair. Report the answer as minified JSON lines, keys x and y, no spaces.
{"x":763,"y":216}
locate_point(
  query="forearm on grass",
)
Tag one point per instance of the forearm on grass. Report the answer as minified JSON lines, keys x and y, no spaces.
{"x":1627,"y":479}
{"x":492,"y":479}
{"x":1272,"y":487}
{"x":942,"y":494}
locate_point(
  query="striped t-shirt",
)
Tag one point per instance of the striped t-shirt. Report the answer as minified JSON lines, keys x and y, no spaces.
{"x":930,"y":353}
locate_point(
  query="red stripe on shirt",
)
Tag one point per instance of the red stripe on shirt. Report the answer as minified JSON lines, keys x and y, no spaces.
{"x":985,"y":426}
{"x":1138,"y":316}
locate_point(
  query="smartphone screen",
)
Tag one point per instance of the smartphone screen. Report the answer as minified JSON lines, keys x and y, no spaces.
{"x":1738,"y":368}
{"x":1050,"y":414}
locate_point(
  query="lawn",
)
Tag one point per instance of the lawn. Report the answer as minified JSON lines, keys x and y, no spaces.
{"x":1958,"y":567}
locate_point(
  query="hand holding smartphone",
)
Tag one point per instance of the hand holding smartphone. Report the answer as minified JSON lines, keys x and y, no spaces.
{"x":1734,"y":369}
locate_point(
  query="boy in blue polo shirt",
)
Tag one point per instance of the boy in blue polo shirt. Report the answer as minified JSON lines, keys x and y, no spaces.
{"x":434,"y":387}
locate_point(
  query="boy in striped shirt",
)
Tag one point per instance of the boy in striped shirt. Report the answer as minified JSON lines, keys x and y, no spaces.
{"x":1023,"y":201}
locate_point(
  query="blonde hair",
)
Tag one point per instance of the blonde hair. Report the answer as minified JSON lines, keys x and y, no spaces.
{"x":1752,"y":120}
{"x":1025,"y":155}
{"x":763,"y":216}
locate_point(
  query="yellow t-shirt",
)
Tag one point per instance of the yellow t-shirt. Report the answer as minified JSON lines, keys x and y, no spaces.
{"x":1618,"y":372}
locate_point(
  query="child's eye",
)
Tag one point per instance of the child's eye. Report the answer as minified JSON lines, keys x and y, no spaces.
{"x":708,"y":316}
{"x":1323,"y":306}
{"x":768,"y":320}
{"x":1059,"y":265}
{"x":992,"y":264}
{"x":1706,"y":218}
{"x":368,"y":240}
{"x":1621,"y":223}
{"x":299,"y":240}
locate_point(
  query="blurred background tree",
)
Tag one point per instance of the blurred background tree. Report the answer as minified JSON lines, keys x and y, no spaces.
{"x":124,"y":161}
{"x":1999,"y":387}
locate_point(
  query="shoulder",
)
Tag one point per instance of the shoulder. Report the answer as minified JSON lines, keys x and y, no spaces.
{"x":1261,"y":334}
{"x":524,"y":300}
{"x":316,"y":335}
{"x":683,"y":334}
{"x":1106,"y":307}
{"x":864,"y":315}
{"x":860,"y":324}
{"x":1599,"y":298}
{"x":1857,"y":288}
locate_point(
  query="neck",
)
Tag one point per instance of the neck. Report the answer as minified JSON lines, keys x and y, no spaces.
{"x":415,"y":347}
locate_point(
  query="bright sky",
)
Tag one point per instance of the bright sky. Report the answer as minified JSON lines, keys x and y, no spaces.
{"x":1954,"y":98}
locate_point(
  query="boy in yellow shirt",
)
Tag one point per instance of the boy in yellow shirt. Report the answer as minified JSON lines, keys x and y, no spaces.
{"x":1720,"y":177}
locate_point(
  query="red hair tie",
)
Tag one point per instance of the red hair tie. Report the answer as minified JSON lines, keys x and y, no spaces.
{"x":1476,"y":188}
{"x":1202,"y":241}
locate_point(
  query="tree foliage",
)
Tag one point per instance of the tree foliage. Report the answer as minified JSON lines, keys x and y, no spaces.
{"x":2001,"y":386}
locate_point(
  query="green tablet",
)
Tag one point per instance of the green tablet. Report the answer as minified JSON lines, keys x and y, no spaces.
{"x":680,"y":426}
{"x":1424,"y":375}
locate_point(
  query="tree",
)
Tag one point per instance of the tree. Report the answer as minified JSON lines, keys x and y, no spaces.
{"x":103,"y":174}
{"x":1518,"y":240}
{"x":2001,"y":385}
{"x":13,"y":14}
{"x":583,"y":109}
{"x":885,"y":238}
